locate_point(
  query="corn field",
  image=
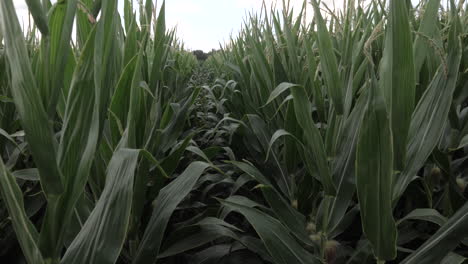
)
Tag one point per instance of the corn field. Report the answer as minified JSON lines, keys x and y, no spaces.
{"x":337,"y":139}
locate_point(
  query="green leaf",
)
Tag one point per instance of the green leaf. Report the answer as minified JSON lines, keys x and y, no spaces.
{"x":328,"y":62}
{"x":260,"y":130}
{"x":453,"y":258}
{"x":463,"y":142}
{"x":313,"y":138}
{"x":107,"y":57}
{"x":120,"y":103}
{"x":28,"y":102}
{"x":159,"y":49}
{"x":430,"y":115}
{"x":79,"y":141}
{"x":425,"y":214}
{"x":217,"y":254}
{"x":282,"y":87}
{"x":443,"y":241}
{"x":27,"y":174}
{"x":7,"y":136}
{"x":279,"y":243}
{"x":240,"y":200}
{"x":3,"y":98}
{"x":428,"y":27}
{"x":103,"y":234}
{"x":131,"y":40}
{"x":165,"y":204}
{"x":137,"y":115}
{"x":84,"y":20}
{"x":26,"y":233}
{"x":39,"y":15}
{"x":374,"y":174}
{"x":344,"y":163}
{"x":170,"y":163}
{"x":59,"y":51}
{"x":398,"y":78}
{"x":198,"y":234}
{"x":290,"y":218}
{"x":277,"y":135}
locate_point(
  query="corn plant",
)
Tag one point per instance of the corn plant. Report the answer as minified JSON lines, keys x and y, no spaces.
{"x":86,"y":107}
{"x":342,"y":139}
{"x":373,"y":100}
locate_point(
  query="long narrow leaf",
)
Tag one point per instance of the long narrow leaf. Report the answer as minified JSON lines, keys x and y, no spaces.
{"x":328,"y":62}
{"x":165,"y":204}
{"x":25,"y":231}
{"x":103,"y":234}
{"x":398,"y":77}
{"x":443,"y":241}
{"x":374,"y":174}
{"x":28,"y":103}
{"x":281,"y":246}
{"x":427,"y":123}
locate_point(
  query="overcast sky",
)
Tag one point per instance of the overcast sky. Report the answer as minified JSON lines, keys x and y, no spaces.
{"x":203,"y":24}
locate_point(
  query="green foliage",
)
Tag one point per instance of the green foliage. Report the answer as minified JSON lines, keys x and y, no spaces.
{"x":342,"y":139}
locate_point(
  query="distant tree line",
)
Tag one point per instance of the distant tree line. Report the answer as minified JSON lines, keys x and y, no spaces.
{"x":201,"y":55}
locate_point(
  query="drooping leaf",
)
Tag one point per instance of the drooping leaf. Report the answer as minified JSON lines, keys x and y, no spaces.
{"x":164,"y":205}
{"x":279,"y":243}
{"x":313,"y":139}
{"x":196,"y":235}
{"x":31,"y":174}
{"x":7,"y":136}
{"x":443,"y":241}
{"x":290,"y":218}
{"x":425,"y":214}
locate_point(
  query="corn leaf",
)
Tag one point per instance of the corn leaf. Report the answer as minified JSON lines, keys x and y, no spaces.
{"x":27,"y":174}
{"x":344,"y":164}
{"x":59,"y":50}
{"x":312,"y":137}
{"x":443,"y":241}
{"x":427,"y":123}
{"x":75,"y":152}
{"x":398,"y":78}
{"x":453,"y":258}
{"x":279,"y":243}
{"x":290,"y":218}
{"x":39,"y":15}
{"x":25,"y":231}
{"x":103,"y":234}
{"x":427,"y":28}
{"x":328,"y":63}
{"x":425,"y":214}
{"x":374,"y":176}
{"x":165,"y":204}
{"x":28,"y":103}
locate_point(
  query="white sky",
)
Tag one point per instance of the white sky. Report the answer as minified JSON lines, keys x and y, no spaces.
{"x":203,"y":24}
